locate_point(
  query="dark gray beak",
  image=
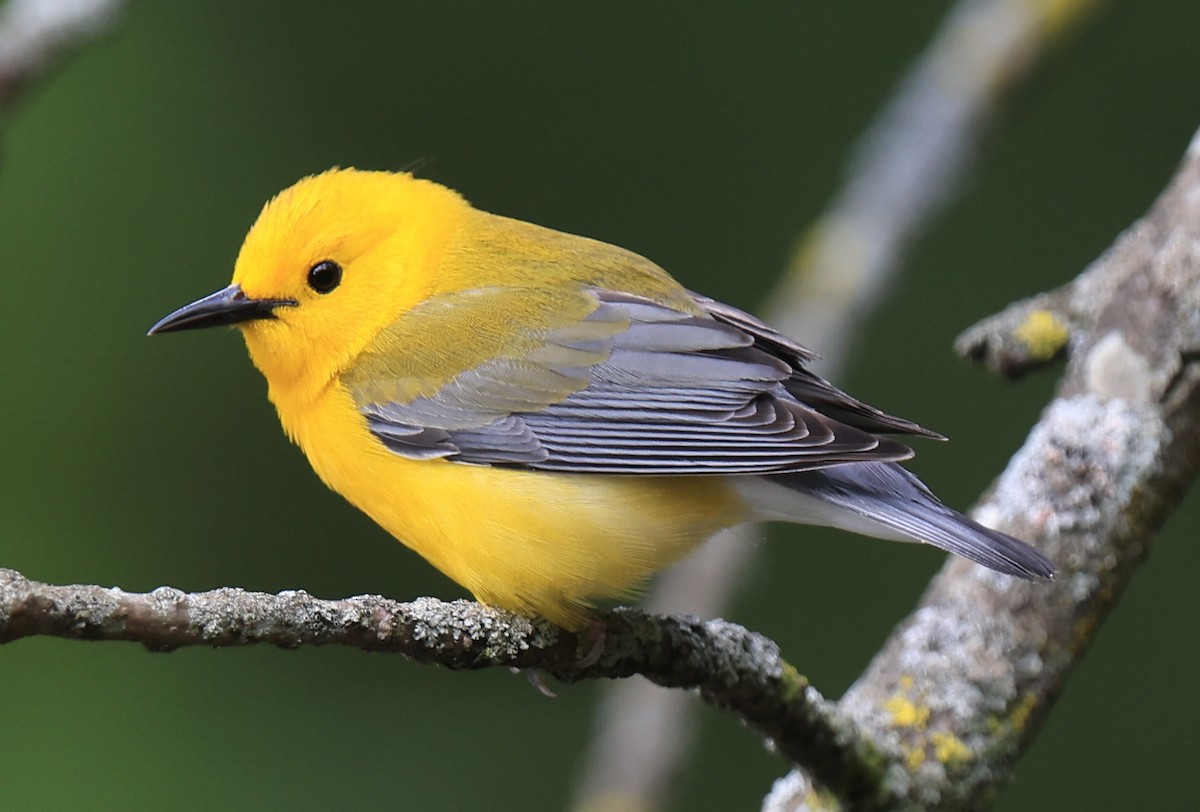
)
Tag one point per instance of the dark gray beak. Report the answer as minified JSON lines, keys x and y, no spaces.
{"x":228,"y":306}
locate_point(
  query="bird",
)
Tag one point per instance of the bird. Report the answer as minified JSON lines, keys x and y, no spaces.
{"x":546,"y":418}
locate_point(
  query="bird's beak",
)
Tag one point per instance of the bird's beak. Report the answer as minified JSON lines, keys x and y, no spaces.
{"x":228,"y":306}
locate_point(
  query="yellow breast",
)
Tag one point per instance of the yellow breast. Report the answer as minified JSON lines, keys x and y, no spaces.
{"x":540,"y":544}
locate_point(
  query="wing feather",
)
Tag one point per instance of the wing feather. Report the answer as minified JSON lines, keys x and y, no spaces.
{"x":639,"y":388}
{"x":804,"y":384}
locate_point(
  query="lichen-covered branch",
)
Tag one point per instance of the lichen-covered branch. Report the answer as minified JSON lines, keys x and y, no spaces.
{"x":961,"y":687}
{"x":731,"y":667}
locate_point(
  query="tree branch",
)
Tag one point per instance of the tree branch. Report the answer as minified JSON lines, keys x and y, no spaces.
{"x":731,"y":667}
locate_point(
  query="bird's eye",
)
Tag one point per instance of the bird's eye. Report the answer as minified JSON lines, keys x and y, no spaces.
{"x":325,"y":276}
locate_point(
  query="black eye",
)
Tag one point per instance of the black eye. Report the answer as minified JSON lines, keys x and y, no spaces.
{"x":324,"y":276}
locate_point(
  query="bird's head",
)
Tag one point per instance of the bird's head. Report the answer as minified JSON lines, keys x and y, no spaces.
{"x":330,"y":261}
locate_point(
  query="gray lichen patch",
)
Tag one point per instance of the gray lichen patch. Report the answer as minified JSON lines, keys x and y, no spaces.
{"x":1113,"y":369}
{"x":1076,"y":473}
{"x":505,"y":634}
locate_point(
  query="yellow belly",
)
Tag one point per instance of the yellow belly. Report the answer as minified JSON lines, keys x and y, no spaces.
{"x":540,"y":544}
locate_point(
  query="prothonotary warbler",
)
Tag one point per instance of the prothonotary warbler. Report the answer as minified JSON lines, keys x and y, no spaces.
{"x":546,"y":418}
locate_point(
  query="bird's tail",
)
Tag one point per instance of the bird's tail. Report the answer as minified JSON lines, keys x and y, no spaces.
{"x":883,"y":500}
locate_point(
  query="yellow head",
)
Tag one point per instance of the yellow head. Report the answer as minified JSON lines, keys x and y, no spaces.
{"x":329,"y":262}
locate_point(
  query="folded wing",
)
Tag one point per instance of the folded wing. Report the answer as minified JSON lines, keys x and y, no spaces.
{"x":634,"y":387}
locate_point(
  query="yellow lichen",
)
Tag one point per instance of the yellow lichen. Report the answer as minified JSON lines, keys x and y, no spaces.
{"x":906,"y":713}
{"x":794,"y":683}
{"x":914,"y":758}
{"x":948,"y":748}
{"x":820,"y":799}
{"x":1043,"y":334}
{"x":1020,"y":714}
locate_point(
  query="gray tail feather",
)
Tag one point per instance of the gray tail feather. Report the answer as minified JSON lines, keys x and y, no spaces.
{"x":885,"y":493}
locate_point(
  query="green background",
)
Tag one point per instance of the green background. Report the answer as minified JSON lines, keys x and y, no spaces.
{"x":702,"y":136}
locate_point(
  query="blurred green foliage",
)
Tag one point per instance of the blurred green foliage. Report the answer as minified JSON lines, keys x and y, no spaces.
{"x":705,"y":137}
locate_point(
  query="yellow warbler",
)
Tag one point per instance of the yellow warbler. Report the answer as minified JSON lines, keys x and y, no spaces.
{"x":548,"y":419}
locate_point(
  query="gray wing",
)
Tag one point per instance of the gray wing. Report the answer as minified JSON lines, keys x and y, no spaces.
{"x":664,"y":392}
{"x":807,"y":386}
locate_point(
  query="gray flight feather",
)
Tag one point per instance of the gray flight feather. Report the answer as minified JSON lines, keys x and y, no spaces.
{"x":806,"y":386}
